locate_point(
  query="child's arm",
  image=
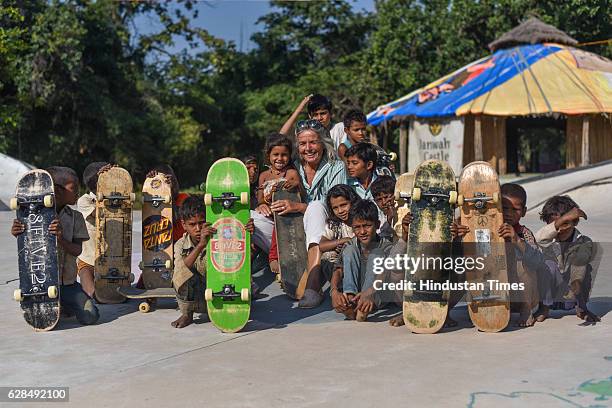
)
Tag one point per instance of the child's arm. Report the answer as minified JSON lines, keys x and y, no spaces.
{"x":341,"y":150}
{"x":293,"y":181}
{"x":205,"y":234}
{"x":18,"y":228}
{"x":326,"y":245}
{"x":458,"y":231}
{"x":340,"y":301}
{"x":263,"y":208}
{"x":288,"y":126}
{"x":73,"y":248}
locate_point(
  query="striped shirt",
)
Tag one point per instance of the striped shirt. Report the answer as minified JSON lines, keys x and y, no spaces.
{"x":328,"y":175}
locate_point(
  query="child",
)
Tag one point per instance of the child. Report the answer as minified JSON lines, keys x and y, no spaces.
{"x":572,"y":251}
{"x":354,"y":272}
{"x":355,"y":127}
{"x":70,"y":231}
{"x":340,"y":199}
{"x":360,"y":165}
{"x":189,"y":277}
{"x":383,"y":191}
{"x":250,"y":161}
{"x":278,"y":152}
{"x":86,"y":205}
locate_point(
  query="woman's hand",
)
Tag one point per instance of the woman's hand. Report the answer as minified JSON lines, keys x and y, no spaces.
{"x":283,"y":207}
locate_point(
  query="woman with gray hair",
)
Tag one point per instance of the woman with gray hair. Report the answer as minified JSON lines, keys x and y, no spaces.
{"x":320,"y":169}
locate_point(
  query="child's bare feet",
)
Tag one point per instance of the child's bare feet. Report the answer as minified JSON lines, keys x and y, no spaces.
{"x":183,"y":321}
{"x":588,"y":316}
{"x":526,"y":319}
{"x":397,"y":321}
{"x":361,"y":316}
{"x":542,"y":313}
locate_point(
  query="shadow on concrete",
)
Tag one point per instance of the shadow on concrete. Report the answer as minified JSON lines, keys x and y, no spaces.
{"x":110,"y":312}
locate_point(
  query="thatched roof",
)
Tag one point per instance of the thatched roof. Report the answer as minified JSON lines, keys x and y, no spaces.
{"x":532,"y":31}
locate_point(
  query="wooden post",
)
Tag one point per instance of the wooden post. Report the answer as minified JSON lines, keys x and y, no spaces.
{"x":586,"y":154}
{"x":403,"y":148}
{"x":373,"y":134}
{"x":478,"y":138}
{"x":385,"y":141}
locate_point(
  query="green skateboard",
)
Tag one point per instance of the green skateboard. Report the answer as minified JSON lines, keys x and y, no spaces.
{"x":228,"y":253}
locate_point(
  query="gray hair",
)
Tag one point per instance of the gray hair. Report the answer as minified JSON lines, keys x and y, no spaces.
{"x":325,"y":138}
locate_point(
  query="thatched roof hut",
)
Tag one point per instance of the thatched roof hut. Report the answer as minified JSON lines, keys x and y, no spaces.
{"x":532,"y":31}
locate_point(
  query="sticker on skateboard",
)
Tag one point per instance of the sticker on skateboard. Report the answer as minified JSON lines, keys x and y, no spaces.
{"x":38,"y":291}
{"x":228,"y":253}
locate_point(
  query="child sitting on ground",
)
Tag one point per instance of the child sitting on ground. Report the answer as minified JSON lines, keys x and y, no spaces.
{"x":189,"y":277}
{"x":355,"y":127}
{"x":383,"y":191}
{"x":573,"y":252}
{"x":340,"y":199}
{"x":280,"y":175}
{"x":70,"y":230}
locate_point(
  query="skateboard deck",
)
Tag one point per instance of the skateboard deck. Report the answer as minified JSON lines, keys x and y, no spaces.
{"x":228,"y":253}
{"x":39,"y":289}
{"x":433,"y":195}
{"x":291,"y":242}
{"x":481,"y":210}
{"x":112,"y":268}
{"x":403,"y":192}
{"x":149,"y":296}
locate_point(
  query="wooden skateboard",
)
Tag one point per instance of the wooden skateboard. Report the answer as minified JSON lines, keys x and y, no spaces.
{"x":481,"y":210}
{"x":291,"y":243}
{"x":38,"y":290}
{"x":157,"y":243}
{"x":228,"y":253}
{"x":112,"y":268}
{"x":433,"y":195}
{"x":403,"y":192}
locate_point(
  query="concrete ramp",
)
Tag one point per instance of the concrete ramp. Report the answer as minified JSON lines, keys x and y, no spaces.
{"x":10,"y":171}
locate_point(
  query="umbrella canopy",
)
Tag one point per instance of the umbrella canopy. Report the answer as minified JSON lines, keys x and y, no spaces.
{"x":522,"y":80}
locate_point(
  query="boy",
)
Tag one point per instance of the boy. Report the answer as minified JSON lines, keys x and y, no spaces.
{"x":354,"y":269}
{"x":572,"y":251}
{"x":86,"y":205}
{"x":319,"y":108}
{"x":70,"y":231}
{"x":360,"y":165}
{"x":189,"y":277}
{"x":250,"y":161}
{"x":355,"y":128}
{"x":383,"y":191}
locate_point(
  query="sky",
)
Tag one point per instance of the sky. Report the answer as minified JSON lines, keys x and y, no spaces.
{"x":226,"y":19}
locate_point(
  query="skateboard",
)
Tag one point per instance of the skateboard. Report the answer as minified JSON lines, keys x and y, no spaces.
{"x":481,"y":210}
{"x":228,"y":253}
{"x":291,"y":242}
{"x":433,"y":196}
{"x":112,"y":268}
{"x":383,"y":162}
{"x":157,"y":244}
{"x":38,"y":290}
{"x":403,"y":192}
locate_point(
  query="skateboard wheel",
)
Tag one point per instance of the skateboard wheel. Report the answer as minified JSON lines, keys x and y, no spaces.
{"x":52,"y":292}
{"x":13,"y":204}
{"x":207,"y":199}
{"x":452,"y":197}
{"x":208,"y":296}
{"x":144,"y":307}
{"x":168,"y":264}
{"x":460,"y":200}
{"x":132,"y":197}
{"x":416,"y":194}
{"x":244,"y":295}
{"x":167,"y":199}
{"x":17,"y":295}
{"x":131,"y":277}
{"x":393,"y":156}
{"x":495,"y":197}
{"x":140,"y":265}
{"x":244,"y":198}
{"x":48,"y":201}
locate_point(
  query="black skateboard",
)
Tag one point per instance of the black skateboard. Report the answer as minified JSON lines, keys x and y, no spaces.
{"x":38,"y":290}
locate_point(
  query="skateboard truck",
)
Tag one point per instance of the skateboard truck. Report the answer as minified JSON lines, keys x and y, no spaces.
{"x":417,"y":194}
{"x":46,"y":200}
{"x":227,"y":199}
{"x":157,"y":264}
{"x":115,"y":198}
{"x":228,"y":292}
{"x":113,"y":274}
{"x":156,"y":200}
{"x":479,"y":199}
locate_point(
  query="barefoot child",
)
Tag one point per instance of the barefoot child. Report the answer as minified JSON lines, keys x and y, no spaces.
{"x":281,"y":173}
{"x":383,"y":191}
{"x":189,"y":278}
{"x":572,"y":252}
{"x":70,"y":231}
{"x":250,"y":161}
{"x":355,"y":127}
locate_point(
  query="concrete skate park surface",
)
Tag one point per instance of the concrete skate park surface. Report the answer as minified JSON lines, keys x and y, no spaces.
{"x":291,"y":357}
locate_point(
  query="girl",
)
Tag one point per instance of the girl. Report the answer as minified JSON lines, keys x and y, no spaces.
{"x":280,"y":174}
{"x":338,"y":232}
